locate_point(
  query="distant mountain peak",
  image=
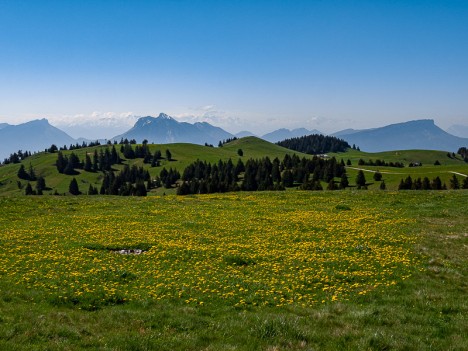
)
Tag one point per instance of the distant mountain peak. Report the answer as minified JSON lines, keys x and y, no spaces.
{"x":416,"y":134}
{"x":42,"y":121}
{"x":165,"y":129}
{"x":162,"y":115}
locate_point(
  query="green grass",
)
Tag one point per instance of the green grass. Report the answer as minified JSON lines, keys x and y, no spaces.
{"x":426,"y":308}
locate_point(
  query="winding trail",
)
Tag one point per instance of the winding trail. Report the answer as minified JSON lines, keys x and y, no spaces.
{"x":386,"y":172}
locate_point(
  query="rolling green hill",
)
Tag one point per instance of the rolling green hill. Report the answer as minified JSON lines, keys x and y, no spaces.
{"x":392,"y":175}
{"x":183,"y":154}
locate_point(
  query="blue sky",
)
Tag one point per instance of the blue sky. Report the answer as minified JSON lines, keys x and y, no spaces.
{"x":256,"y":65}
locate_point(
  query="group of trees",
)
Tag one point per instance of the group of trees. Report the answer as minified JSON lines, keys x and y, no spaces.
{"x":436,"y":184}
{"x":228,"y":140}
{"x":53,"y":148}
{"x":463,"y":152}
{"x":315,"y":144}
{"x":101,"y":161}
{"x":380,"y":163}
{"x":129,"y":181}
{"x":16,"y":157}
{"x":26,"y":175}
{"x":167,"y":178}
{"x":201,"y":177}
{"x":144,"y":152}
{"x":262,"y":174}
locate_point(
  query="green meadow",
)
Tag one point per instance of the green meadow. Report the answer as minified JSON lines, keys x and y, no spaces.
{"x":294,"y":270}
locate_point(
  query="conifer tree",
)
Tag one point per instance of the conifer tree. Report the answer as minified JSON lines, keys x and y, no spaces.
{"x":344,"y":181}
{"x":465,"y":183}
{"x":88,"y":166}
{"x":383,"y":185}
{"x":22,"y":174}
{"x":73,"y":187}
{"x":436,"y":184}
{"x":32,"y":174}
{"x":40,"y":185}
{"x":360,"y":179}
{"x":377,"y":176}
{"x":28,"y":190}
{"x":95,"y":161}
{"x":454,"y":183}
{"x":426,"y":184}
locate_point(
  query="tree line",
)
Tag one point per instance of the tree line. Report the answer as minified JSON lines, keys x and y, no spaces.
{"x":463,"y":152}
{"x":380,"y":163}
{"x":16,"y":157}
{"x":315,"y":144}
{"x":436,"y":184}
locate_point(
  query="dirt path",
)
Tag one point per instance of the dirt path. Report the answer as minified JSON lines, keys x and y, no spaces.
{"x":460,"y":174}
{"x":384,"y":172}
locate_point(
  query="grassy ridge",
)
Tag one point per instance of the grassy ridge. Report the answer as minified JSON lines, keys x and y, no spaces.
{"x":425,"y":309}
{"x":252,"y":147}
{"x":183,"y":154}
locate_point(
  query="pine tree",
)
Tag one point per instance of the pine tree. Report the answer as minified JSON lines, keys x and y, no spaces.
{"x":426,"y":184}
{"x":73,"y":187}
{"x":360,"y":179}
{"x":408,"y":183}
{"x":465,"y":183}
{"x":454,"y":183}
{"x":40,"y":185}
{"x":168,"y":155}
{"x":95,"y":161}
{"x":61,"y":162}
{"x":32,"y":174}
{"x":436,"y":184}
{"x":88,"y":166}
{"x":28,"y":190}
{"x":344,"y":181}
{"x":377,"y":176}
{"x":288,"y":179}
{"x":22,"y":174}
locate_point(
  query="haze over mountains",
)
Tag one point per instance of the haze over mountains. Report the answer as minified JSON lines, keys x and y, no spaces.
{"x":38,"y":135}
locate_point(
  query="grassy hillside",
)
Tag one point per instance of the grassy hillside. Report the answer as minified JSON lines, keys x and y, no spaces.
{"x":392,"y":175}
{"x":295,"y":270}
{"x":252,"y":147}
{"x":182,"y":154}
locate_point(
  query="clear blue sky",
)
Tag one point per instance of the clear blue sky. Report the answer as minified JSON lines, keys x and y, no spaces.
{"x":255,"y":65}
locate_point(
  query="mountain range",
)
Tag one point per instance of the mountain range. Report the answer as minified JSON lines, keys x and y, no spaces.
{"x":420,"y":134}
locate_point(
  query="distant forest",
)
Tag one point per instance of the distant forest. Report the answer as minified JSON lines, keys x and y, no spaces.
{"x":315,"y":144}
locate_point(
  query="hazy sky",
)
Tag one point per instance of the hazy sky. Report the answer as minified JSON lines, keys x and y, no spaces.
{"x":255,"y":65}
